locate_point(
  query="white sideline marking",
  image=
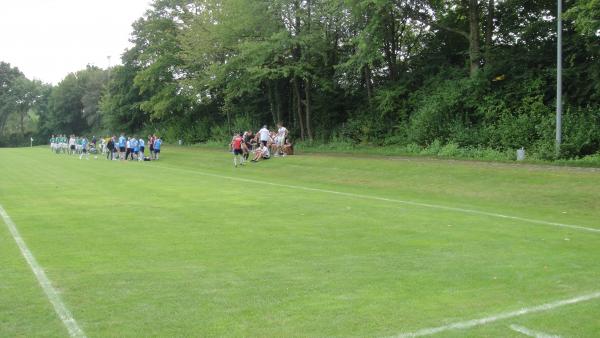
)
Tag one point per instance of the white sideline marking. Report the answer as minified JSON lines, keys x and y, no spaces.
{"x":486,"y":320}
{"x":531,"y":333}
{"x":419,"y":204}
{"x":61,"y":310}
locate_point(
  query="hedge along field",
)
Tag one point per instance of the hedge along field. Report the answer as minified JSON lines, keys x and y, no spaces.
{"x":309,"y":245}
{"x":467,"y":75}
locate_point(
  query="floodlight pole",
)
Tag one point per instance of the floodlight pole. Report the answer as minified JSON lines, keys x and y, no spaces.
{"x":558,"y":77}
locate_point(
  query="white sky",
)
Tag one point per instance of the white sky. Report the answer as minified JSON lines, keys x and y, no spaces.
{"x":47,"y":39}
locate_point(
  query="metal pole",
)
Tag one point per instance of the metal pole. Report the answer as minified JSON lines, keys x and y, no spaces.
{"x":558,"y":77}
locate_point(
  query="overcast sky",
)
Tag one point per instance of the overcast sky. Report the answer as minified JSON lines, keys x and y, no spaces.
{"x":47,"y":39}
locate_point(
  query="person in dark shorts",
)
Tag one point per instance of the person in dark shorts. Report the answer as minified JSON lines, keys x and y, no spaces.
{"x":236,"y":146}
{"x":129,"y":149}
{"x":151,"y":145}
{"x":157,"y":145}
{"x":122,"y":143}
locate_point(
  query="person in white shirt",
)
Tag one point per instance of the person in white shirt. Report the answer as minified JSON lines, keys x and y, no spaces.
{"x":264,"y":135}
{"x":72,"y":145}
{"x":282,"y":133}
{"x":262,"y":153}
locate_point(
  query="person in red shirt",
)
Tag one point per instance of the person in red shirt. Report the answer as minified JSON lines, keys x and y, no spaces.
{"x":236,"y":146}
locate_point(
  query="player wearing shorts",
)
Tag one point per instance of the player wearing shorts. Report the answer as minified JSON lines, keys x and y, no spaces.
{"x":157,"y":145}
{"x":151,"y":145}
{"x":122,"y":143}
{"x":141,"y":145}
{"x":282,"y":134}
{"x":262,"y":153}
{"x":84,"y":152}
{"x":135,"y":148}
{"x":264,"y":135}
{"x":236,"y":146}
{"x":72,"y":145}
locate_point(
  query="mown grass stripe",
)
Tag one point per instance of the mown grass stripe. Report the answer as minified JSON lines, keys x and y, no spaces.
{"x":59,"y":306}
{"x":391,"y":200}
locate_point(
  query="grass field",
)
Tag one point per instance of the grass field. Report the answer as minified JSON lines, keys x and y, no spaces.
{"x":310,"y":245}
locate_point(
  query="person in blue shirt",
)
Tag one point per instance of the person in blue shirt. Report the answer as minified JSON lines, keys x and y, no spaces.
{"x":84,"y":143}
{"x":141,"y":144}
{"x":122,"y":141}
{"x":135,"y":145}
{"x":157,"y":145}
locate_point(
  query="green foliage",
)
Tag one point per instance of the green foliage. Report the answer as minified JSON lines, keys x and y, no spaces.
{"x":358,"y":72}
{"x":586,"y":16}
{"x":74,"y":104}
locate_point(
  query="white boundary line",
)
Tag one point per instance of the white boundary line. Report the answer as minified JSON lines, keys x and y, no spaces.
{"x":419,"y":204}
{"x":531,"y":333}
{"x":61,"y":310}
{"x":486,"y":320}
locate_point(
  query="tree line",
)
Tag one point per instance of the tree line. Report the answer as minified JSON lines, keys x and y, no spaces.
{"x":477,"y":73}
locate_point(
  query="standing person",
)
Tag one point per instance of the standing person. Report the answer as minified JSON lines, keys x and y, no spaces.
{"x":247,"y":145}
{"x":135,"y":147}
{"x":282,"y":134}
{"x":157,"y":145}
{"x":122,"y":144}
{"x":110,"y":146}
{"x":236,"y":145}
{"x":141,"y":145}
{"x":84,"y":152}
{"x":264,"y":135}
{"x":102,"y":146}
{"x":128,"y":150}
{"x":72,"y":145}
{"x":151,"y":140}
{"x":52,"y":143}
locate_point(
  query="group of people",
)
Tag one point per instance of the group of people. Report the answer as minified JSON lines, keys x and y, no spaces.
{"x":121,"y":148}
{"x":261,"y":145}
{"x":73,"y":145}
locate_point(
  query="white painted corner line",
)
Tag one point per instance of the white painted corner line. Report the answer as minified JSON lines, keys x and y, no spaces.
{"x":506,"y":315}
{"x":391,"y":200}
{"x":531,"y":333}
{"x":51,"y":293}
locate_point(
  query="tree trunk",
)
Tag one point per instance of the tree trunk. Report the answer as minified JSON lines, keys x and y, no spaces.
{"x":489,"y":33}
{"x":278,"y":101}
{"x":474,"y":49}
{"x":22,"y":124}
{"x":368,"y":85}
{"x":272,"y":102}
{"x":299,"y":107}
{"x":228,"y":121}
{"x":307,"y":97}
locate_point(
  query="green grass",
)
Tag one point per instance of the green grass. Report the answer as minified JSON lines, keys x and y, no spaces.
{"x":190,"y":246}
